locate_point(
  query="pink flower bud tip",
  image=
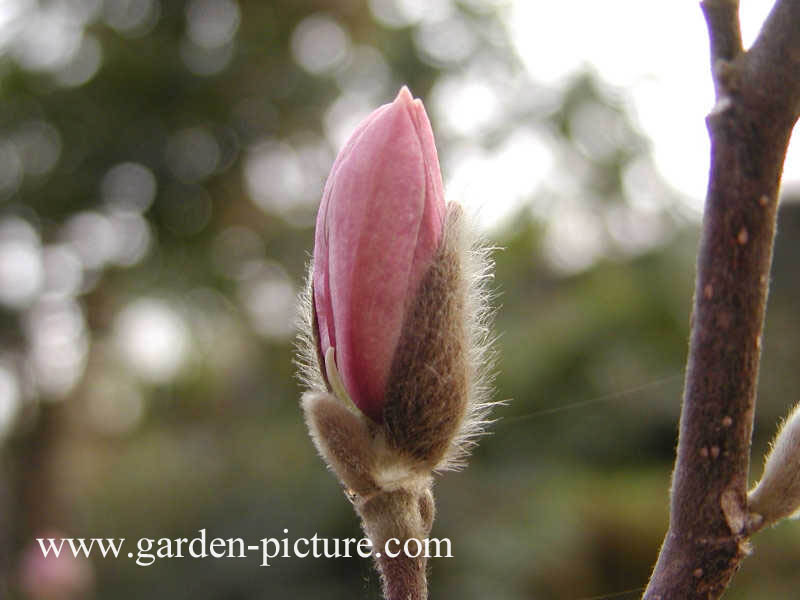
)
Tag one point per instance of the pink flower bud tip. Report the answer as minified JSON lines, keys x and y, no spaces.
{"x":379,"y":226}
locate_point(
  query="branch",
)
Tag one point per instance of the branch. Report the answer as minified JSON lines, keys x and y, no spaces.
{"x":722,"y":18}
{"x":758,"y":100}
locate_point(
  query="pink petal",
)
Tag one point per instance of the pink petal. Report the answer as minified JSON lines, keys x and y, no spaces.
{"x":378,"y":227}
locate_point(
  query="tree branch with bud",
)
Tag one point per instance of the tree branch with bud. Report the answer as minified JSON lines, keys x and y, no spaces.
{"x":757,"y":105}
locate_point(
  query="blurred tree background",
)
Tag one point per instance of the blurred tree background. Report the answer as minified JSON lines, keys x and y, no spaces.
{"x":160,"y":168}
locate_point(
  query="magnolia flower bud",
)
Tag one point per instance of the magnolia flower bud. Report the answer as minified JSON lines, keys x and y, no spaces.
{"x":395,"y":346}
{"x":395,"y":312}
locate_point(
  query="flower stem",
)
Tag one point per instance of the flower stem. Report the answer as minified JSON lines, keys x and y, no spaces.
{"x":391,"y":519}
{"x":403,"y":577}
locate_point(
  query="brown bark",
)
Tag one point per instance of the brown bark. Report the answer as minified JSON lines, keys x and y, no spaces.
{"x":758,"y":101}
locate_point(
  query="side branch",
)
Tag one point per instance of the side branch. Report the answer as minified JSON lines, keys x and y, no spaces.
{"x":750,"y":131}
{"x":774,"y":62}
{"x":722,"y":18}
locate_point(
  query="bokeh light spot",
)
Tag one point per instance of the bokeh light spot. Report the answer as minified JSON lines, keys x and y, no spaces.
{"x":445,"y":42}
{"x":574,"y":239}
{"x":11,"y":168}
{"x":48,"y":39}
{"x":84,"y":64}
{"x":366,"y":73}
{"x":9,"y":399}
{"x":49,"y":577}
{"x":319,"y":44}
{"x":132,"y":18}
{"x":39,"y":145}
{"x":398,"y":13}
{"x":59,"y":344}
{"x":465,"y":106}
{"x":203,"y":61}
{"x":152,"y":339}
{"x":271,"y":302}
{"x":63,"y":271}
{"x":274,"y":177}
{"x":192,"y":154}
{"x":129,"y":186}
{"x":93,"y":237}
{"x":212,"y":23}
{"x":21,"y":269}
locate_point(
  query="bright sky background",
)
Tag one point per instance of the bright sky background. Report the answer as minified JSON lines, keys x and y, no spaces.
{"x":657,"y":53}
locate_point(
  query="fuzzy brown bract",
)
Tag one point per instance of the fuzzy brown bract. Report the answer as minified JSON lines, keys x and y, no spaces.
{"x":426,"y":395}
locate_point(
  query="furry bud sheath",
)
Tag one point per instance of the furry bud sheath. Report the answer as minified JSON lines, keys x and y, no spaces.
{"x":395,"y":345}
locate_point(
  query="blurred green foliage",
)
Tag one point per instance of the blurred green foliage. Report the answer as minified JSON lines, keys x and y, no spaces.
{"x":161,"y":167}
